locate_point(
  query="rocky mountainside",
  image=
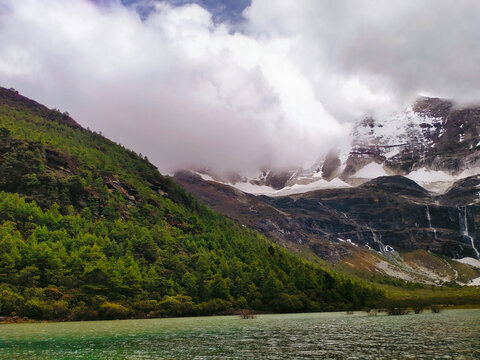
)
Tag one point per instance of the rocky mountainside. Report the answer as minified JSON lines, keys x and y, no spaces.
{"x":433,"y":143}
{"x":383,"y":219}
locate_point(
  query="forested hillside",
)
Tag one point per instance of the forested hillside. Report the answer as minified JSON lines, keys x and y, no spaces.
{"x":91,"y":230}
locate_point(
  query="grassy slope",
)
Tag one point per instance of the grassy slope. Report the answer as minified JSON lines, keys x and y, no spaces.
{"x":404,"y":293}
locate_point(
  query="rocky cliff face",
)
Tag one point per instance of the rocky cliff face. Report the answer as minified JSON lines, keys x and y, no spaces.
{"x":384,"y":214}
{"x":392,"y":213}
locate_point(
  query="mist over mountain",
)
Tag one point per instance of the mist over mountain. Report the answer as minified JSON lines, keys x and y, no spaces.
{"x":433,"y":142}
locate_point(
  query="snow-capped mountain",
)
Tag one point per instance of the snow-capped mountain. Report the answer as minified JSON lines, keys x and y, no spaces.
{"x":432,"y":142}
{"x":352,"y":203}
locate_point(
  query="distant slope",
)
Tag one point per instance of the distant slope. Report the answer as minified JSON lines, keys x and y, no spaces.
{"x":369,"y":227}
{"x":89,"y":230}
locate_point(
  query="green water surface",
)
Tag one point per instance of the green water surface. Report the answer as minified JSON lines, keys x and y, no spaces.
{"x":452,"y":334}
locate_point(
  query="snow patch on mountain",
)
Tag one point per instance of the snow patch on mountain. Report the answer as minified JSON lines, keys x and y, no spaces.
{"x":290,"y":190}
{"x":371,"y":171}
{"x":426,"y":176}
{"x":398,"y":129}
{"x":474,"y":282}
{"x":205,"y":176}
{"x":436,"y":180}
{"x":254,"y":189}
{"x":316,"y":185}
{"x":470,"y":261}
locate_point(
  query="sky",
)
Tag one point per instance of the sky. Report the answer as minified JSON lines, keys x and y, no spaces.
{"x":237,"y":85}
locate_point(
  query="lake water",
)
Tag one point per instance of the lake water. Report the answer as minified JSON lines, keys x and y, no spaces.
{"x":452,"y":334}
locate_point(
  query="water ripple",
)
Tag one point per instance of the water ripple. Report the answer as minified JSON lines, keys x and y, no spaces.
{"x":453,"y":334}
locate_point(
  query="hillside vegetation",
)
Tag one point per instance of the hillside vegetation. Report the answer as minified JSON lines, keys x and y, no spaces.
{"x":91,"y":230}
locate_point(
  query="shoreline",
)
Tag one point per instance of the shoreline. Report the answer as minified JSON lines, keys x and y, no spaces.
{"x":383,"y":312}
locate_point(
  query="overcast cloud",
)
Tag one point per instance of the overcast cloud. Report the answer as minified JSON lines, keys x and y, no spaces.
{"x":187,"y":90}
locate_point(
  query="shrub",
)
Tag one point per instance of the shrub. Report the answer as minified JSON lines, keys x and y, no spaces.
{"x":112,"y":311}
{"x":35,"y":309}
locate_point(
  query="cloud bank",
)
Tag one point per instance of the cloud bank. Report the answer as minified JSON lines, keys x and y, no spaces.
{"x":278,"y":88}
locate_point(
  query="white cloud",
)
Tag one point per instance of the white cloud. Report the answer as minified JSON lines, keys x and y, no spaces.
{"x":184,"y":90}
{"x":389,"y":50}
{"x":176,"y":86}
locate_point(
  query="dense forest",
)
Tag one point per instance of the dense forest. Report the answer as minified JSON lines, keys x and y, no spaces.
{"x":91,"y":230}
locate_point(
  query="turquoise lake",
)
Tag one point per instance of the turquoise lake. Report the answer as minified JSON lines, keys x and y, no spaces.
{"x":451,"y":334}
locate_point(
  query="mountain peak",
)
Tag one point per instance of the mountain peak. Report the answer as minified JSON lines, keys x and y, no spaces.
{"x":13,"y":99}
{"x":433,"y":107}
